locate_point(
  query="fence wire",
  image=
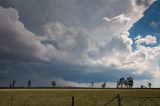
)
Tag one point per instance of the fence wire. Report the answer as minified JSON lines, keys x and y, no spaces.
{"x":35,"y":100}
{"x":141,"y":101}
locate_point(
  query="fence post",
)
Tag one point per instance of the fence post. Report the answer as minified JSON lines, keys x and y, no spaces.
{"x":119,"y":100}
{"x":72,"y":100}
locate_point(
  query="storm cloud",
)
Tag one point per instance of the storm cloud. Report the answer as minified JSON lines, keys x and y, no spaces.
{"x":73,"y":40}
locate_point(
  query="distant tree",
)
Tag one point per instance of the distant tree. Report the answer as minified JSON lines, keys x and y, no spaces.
{"x":126,"y":83}
{"x":142,"y":86}
{"x":29,"y":83}
{"x":149,"y":85}
{"x":103,"y":85}
{"x":130,"y":82}
{"x":92,"y":84}
{"x":53,"y":83}
{"x":13,"y":83}
{"x":122,"y":80}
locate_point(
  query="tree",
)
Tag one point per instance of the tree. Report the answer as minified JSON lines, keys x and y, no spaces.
{"x":149,"y":85}
{"x":92,"y":83}
{"x":53,"y":83}
{"x":29,"y":83}
{"x":142,"y":86}
{"x":126,"y":83}
{"x":103,"y":85}
{"x":13,"y":83}
{"x":130,"y":82}
{"x":122,"y":80}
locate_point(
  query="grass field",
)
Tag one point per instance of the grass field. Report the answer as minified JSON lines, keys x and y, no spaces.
{"x":83,"y":97}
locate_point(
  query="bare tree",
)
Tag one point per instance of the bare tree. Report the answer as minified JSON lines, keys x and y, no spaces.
{"x":53,"y":83}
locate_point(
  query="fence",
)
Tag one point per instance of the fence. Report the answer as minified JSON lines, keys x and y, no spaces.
{"x":117,"y":100}
{"x":142,"y":101}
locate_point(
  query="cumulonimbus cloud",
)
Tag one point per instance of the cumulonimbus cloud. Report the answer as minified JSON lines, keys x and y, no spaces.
{"x":75,"y":42}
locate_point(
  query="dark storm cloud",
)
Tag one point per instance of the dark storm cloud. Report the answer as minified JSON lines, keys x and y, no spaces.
{"x":59,"y":41}
{"x":5,"y":3}
{"x":76,"y":13}
{"x":16,"y":42}
{"x":40,"y":71}
{"x":62,"y":51}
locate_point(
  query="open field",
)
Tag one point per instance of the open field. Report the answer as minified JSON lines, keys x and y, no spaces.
{"x":83,"y":97}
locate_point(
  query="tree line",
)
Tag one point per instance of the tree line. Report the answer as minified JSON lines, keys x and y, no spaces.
{"x":128,"y":83}
{"x":29,"y":83}
{"x":121,"y":83}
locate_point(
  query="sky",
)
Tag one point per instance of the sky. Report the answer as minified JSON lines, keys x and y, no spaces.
{"x":75,"y":42}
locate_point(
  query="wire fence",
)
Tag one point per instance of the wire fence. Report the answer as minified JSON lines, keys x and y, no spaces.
{"x":115,"y":100}
{"x":134,"y":101}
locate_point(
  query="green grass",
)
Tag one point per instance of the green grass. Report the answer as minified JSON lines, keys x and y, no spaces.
{"x":86,"y":97}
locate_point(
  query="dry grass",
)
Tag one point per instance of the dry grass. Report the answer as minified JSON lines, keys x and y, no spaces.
{"x":83,"y":97}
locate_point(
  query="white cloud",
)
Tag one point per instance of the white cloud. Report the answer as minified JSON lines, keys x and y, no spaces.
{"x":149,"y":39}
{"x":72,"y":43}
{"x":118,"y":19}
{"x":61,"y":82}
